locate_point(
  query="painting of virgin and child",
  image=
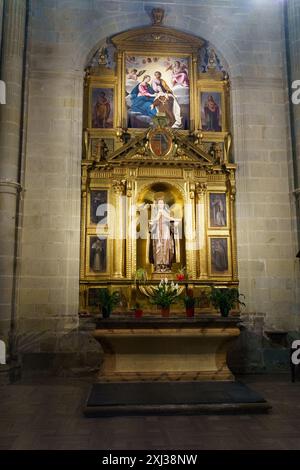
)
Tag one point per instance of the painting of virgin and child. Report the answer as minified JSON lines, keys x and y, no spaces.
{"x":157,"y":85}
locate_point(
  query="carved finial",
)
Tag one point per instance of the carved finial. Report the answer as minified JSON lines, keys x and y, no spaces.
{"x":157,"y":16}
{"x":102,"y":60}
{"x":212,"y":60}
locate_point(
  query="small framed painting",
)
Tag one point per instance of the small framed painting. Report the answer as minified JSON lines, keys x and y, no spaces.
{"x":102,"y":108}
{"x":219,"y":255}
{"x":217,"y":210}
{"x":98,"y":206}
{"x":97,"y":255}
{"x":211,"y":111}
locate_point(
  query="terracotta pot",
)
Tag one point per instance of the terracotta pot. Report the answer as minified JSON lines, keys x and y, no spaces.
{"x":165,"y":311}
{"x":190,"y":311}
{"x":138,"y":313}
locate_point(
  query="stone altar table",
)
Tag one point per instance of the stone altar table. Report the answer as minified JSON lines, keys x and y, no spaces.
{"x":160,"y":349}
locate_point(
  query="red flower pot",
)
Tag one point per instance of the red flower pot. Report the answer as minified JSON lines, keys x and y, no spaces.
{"x":190,"y":311}
{"x":180,"y":277}
{"x":138,"y":313}
{"x":165,"y":311}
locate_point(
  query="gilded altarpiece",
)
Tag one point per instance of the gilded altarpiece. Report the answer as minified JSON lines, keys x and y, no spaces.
{"x":156,"y":132}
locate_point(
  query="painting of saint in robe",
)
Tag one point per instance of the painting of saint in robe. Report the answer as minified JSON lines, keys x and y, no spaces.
{"x":218,"y":210}
{"x":102,"y":108}
{"x":98,"y":253}
{"x":157,"y":85}
{"x":211,"y":112}
{"x":163,"y":246}
{"x":98,"y":207}
{"x":219,"y":255}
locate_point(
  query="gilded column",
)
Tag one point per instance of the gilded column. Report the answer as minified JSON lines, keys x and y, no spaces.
{"x":190,"y":232}
{"x":119,"y":229}
{"x":12,"y":71}
{"x":128,"y":235}
{"x":201,"y":225}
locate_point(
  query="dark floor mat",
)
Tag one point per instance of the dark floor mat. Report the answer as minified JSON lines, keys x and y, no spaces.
{"x":172,"y":397}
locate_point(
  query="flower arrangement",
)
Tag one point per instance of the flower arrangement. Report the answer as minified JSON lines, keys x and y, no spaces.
{"x":164,"y":295}
{"x":182,"y":274}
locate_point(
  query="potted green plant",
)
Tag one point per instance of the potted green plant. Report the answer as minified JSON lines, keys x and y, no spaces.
{"x":164,"y":295}
{"x":224,"y":299}
{"x":189,"y":302}
{"x":107,"y":301}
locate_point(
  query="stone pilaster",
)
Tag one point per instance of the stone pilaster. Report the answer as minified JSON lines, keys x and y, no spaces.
{"x":14,"y":23}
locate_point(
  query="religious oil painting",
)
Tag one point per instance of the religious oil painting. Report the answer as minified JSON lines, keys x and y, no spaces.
{"x":154,"y":85}
{"x":98,"y":207}
{"x":102,"y":108}
{"x":98,"y":254}
{"x":217,"y":206}
{"x":219,"y":255}
{"x":211,"y":111}
{"x":97,"y":148}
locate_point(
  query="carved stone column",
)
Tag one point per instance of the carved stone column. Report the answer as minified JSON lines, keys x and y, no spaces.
{"x":118,"y":263}
{"x":14,"y":24}
{"x":201,"y":229}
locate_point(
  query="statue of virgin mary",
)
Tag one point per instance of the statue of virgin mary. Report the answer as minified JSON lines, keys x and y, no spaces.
{"x":164,"y":239}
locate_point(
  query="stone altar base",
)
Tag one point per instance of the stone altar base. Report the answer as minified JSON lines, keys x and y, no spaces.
{"x":159,"y":349}
{"x":169,"y":398}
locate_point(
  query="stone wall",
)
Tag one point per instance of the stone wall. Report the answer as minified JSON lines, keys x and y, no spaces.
{"x":63,"y":35}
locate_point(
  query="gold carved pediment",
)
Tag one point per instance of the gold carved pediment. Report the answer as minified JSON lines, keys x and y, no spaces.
{"x":162,"y":145}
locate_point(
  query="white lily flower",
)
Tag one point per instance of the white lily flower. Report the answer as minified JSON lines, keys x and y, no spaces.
{"x":166,"y":280}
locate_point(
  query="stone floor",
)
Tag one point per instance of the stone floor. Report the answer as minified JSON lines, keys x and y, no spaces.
{"x":47,"y":414}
